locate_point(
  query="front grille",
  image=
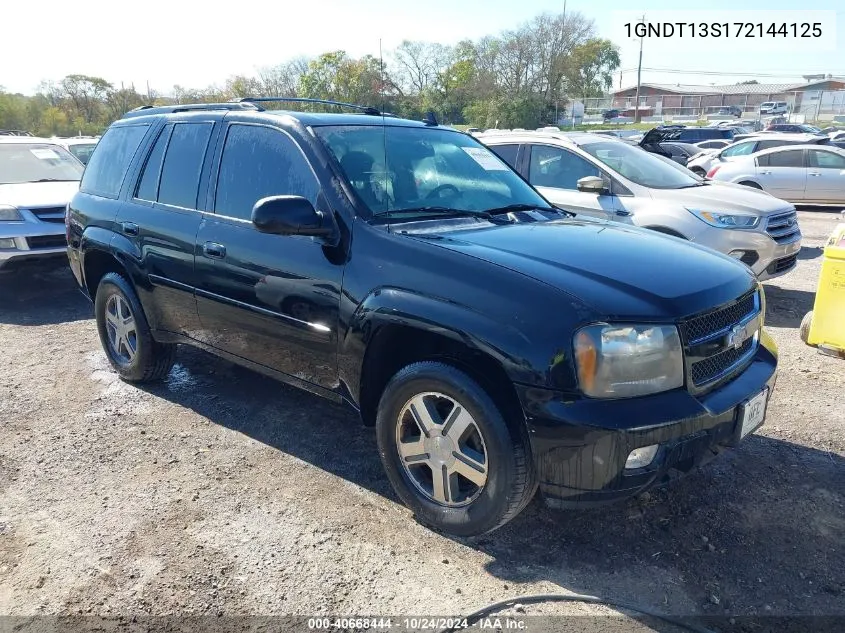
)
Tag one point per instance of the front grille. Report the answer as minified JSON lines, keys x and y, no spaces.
{"x":709,"y":369}
{"x":783,"y":264}
{"x":46,"y":241}
{"x":50,"y":214}
{"x":702,"y":326}
{"x":783,"y":227}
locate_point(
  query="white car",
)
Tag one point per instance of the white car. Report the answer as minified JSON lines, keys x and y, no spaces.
{"x":603,"y":178}
{"x":703,"y":163}
{"x":806,"y":174}
{"x":80,"y":146}
{"x":774,"y":107}
{"x":37,"y":180}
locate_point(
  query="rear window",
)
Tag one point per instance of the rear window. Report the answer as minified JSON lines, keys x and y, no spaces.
{"x":111,"y":158}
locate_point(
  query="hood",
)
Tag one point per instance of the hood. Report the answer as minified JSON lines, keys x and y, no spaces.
{"x":719,"y":196}
{"x":621,"y":272}
{"x":38,"y":194}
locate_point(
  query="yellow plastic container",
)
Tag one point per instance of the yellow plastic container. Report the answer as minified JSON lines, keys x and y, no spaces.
{"x":824,"y":327}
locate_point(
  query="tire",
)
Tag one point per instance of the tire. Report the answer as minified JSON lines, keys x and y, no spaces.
{"x":753,"y":185}
{"x":804,"y":330}
{"x":470,"y":509}
{"x":698,"y":171}
{"x":133,"y":354}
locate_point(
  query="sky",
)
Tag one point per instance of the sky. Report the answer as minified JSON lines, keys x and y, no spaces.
{"x":168,"y":42}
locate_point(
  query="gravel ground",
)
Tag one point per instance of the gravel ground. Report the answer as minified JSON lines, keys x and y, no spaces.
{"x":225,"y":493}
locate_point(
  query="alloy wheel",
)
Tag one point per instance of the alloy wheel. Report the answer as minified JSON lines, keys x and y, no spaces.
{"x":121,"y":329}
{"x":441,"y":449}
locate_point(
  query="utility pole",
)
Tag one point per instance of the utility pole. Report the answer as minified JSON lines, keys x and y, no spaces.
{"x":639,"y":75}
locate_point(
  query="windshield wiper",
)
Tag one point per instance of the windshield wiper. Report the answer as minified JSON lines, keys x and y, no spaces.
{"x":695,"y":184}
{"x":509,"y":208}
{"x":440,"y":211}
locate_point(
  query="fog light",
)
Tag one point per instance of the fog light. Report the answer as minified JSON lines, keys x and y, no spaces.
{"x":641,"y":457}
{"x":749,"y":258}
{"x":7,"y":242}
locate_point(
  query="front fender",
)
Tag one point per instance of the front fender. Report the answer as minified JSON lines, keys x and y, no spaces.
{"x":505,"y":343}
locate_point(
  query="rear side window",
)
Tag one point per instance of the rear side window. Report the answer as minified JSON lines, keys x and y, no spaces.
{"x":180,"y":173}
{"x":789,"y":158}
{"x":110,"y":160}
{"x":148,"y":187}
{"x":507,"y":153}
{"x":774,"y":143}
{"x":258,"y":162}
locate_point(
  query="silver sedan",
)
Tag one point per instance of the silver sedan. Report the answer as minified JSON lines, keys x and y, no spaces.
{"x":802,"y":174}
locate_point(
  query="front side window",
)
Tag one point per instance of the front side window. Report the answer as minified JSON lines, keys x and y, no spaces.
{"x":740,"y":149}
{"x":641,"y":167}
{"x":556,"y":167}
{"x":826,"y":160}
{"x":111,"y":158}
{"x":36,"y":162}
{"x":258,"y":162}
{"x":396,"y":168}
{"x":180,"y":172}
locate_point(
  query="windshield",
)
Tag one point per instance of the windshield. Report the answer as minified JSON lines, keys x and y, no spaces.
{"x":82,"y":151}
{"x":410,"y":168}
{"x":641,"y":167}
{"x":36,"y":162}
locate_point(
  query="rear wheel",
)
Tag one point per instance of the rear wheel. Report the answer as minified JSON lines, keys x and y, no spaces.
{"x":125,"y":333}
{"x":748,"y":183}
{"x":449,"y":453}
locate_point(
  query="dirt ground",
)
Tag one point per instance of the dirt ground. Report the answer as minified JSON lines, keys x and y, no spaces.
{"x":224,"y":493}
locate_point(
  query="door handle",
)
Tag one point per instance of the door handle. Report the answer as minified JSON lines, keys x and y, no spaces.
{"x":214,"y":250}
{"x":622,"y":212}
{"x":130,"y":228}
{"x":765,"y":173}
{"x":814,"y":173}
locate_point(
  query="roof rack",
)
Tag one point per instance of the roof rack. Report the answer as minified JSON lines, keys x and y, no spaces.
{"x":188,"y":107}
{"x":365,"y":109}
{"x":15,"y":133}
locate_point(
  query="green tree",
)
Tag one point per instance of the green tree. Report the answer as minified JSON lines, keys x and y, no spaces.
{"x":590,"y":68}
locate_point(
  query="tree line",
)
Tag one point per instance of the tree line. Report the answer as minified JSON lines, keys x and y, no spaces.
{"x":518,"y":78}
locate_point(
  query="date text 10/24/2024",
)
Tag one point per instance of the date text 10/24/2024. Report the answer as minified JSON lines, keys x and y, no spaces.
{"x":416,"y":624}
{"x":736,"y":30}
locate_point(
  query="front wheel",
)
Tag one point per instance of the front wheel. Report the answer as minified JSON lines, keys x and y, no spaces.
{"x":448,"y":452}
{"x":125,"y":333}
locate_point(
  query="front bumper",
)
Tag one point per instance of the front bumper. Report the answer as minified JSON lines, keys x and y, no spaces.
{"x":34,"y":242}
{"x":770,"y":259}
{"x":580,"y":446}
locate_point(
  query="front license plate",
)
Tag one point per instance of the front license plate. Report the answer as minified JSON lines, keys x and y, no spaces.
{"x":754,"y":412}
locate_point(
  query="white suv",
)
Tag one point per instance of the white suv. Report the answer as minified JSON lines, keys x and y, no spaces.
{"x":774,"y":107}
{"x":37,"y":180}
{"x":610,"y":179}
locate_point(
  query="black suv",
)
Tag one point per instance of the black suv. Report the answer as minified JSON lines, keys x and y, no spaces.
{"x":496,"y":343}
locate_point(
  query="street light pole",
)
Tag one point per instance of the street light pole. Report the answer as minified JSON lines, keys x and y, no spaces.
{"x":639,"y":75}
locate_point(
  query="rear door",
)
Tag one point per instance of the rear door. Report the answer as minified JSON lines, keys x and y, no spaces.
{"x":825,"y":176}
{"x":161,"y":220}
{"x":783,"y":173}
{"x":555,"y":172}
{"x":270,"y":299}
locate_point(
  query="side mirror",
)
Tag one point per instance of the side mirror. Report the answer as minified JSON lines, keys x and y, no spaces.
{"x":593,"y":184}
{"x":290,"y":215}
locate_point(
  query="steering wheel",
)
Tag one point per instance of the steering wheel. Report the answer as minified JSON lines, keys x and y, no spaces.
{"x":435,"y":193}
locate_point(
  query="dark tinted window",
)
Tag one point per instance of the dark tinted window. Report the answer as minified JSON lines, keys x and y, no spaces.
{"x":180,"y":174}
{"x":148,"y":187}
{"x":788,"y":158}
{"x":826,"y":160}
{"x":258,"y":162}
{"x":556,"y":167}
{"x":507,"y":153}
{"x":111,"y":158}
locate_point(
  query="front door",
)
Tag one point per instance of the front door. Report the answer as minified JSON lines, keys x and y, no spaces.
{"x":555,"y":172}
{"x":825,"y":177}
{"x":270,"y":299}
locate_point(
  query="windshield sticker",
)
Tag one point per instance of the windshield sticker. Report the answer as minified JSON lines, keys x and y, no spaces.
{"x":45,"y":154}
{"x":485,"y":158}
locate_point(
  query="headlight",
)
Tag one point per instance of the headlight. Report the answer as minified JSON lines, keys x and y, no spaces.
{"x":726,"y":220}
{"x":623,"y":361}
{"x":9,"y":214}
